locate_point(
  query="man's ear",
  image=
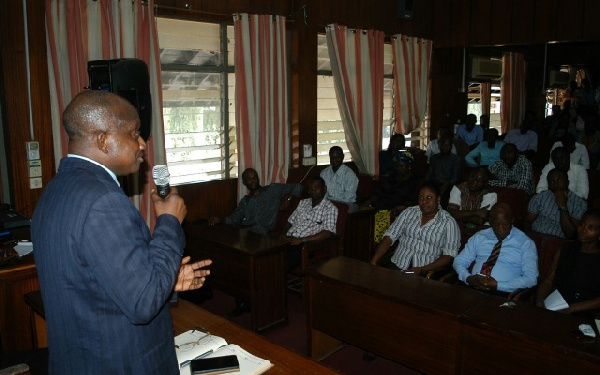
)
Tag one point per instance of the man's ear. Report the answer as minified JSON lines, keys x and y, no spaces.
{"x":102,"y":142}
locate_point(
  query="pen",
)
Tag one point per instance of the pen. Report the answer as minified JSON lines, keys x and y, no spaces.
{"x":5,"y":233}
{"x":185,"y":363}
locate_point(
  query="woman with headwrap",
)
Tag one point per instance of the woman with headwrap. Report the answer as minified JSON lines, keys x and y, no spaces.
{"x":396,"y":192}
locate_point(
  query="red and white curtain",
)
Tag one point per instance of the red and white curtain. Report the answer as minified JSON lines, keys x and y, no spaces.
{"x":261,"y":97}
{"x":78,"y":31}
{"x":412,"y":63}
{"x":357,"y":66}
{"x":513,"y":90}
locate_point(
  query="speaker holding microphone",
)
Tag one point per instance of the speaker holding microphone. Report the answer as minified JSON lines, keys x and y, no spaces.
{"x":162,"y":179}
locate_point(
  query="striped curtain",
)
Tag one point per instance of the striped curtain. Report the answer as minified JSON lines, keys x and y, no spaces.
{"x":486,"y":97}
{"x":412,"y":62}
{"x":261,"y":93}
{"x":82,"y":30}
{"x":357,"y":66}
{"x":513,"y":90}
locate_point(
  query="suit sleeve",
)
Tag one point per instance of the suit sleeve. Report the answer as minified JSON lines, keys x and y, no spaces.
{"x":135,"y":271}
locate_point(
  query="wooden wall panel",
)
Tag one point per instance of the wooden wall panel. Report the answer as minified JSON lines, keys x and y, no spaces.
{"x":501,"y":22}
{"x":460,"y":22}
{"x":569,"y":21}
{"x":523,"y":15}
{"x":442,"y":24}
{"x":591,"y":29}
{"x":481,"y":13}
{"x":545,"y":21}
{"x":212,"y":198}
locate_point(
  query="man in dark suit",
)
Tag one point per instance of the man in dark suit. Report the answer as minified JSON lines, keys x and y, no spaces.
{"x":106,"y":281}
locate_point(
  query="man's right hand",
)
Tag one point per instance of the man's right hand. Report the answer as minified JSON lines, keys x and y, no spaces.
{"x":172,"y":204}
{"x":213,"y":220}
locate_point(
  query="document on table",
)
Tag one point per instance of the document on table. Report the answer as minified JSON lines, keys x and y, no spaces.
{"x":197,"y":344}
{"x":555,"y":301}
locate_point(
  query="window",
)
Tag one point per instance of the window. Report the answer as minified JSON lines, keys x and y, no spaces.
{"x":198,"y":99}
{"x":330,"y":130}
{"x":474,"y":104}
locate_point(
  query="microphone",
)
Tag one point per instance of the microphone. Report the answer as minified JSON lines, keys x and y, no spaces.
{"x":161,"y":176}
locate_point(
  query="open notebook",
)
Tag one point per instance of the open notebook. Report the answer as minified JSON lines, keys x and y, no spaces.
{"x":555,"y":301}
{"x":198,"y":344}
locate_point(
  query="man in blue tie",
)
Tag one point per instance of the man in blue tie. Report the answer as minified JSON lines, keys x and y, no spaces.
{"x":505,"y":258}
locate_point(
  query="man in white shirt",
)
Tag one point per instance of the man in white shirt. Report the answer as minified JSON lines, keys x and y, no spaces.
{"x":578,"y":177}
{"x":579,"y":153}
{"x":433,"y":147}
{"x":340,"y":179}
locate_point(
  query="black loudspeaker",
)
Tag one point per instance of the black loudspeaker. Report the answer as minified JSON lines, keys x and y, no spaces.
{"x":128,"y":78}
{"x":405,"y":9}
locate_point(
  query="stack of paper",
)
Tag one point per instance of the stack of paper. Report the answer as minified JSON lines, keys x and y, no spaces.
{"x":197,"y":344}
{"x":555,"y":301}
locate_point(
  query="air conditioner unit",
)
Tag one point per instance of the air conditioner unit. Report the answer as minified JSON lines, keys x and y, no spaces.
{"x":486,"y":68}
{"x":558,"y":79}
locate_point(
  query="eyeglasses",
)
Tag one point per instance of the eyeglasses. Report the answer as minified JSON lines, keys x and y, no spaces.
{"x":203,"y":339}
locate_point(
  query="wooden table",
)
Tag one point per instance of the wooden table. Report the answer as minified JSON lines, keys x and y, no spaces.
{"x":405,"y":318}
{"x":187,"y":316}
{"x":439,"y":328}
{"x":15,"y":281}
{"x":247,"y":265}
{"x":524,"y":339}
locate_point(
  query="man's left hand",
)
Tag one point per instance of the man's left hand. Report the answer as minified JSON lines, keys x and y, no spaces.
{"x":191,"y":275}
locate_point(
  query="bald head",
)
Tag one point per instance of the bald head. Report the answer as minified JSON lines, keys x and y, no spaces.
{"x":501,"y":220}
{"x":94,"y":111}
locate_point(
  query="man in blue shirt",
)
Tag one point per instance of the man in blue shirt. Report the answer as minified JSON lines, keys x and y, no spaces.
{"x":505,"y":258}
{"x":470,"y":133}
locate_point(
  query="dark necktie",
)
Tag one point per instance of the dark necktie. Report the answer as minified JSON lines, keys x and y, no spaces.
{"x":486,"y":269}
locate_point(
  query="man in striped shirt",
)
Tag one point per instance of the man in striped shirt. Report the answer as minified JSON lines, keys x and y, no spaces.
{"x":428,"y":236}
{"x":314,"y":219}
{"x":556,"y":211}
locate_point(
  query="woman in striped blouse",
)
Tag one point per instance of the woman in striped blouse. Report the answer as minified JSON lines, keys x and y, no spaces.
{"x":428,"y":236}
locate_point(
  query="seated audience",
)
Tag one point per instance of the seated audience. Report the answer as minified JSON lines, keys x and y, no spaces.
{"x":314,"y":219}
{"x":433,"y":147}
{"x":395,"y":193}
{"x":551,"y":123}
{"x":578,"y":177}
{"x":444,"y":167}
{"x":512,"y":170}
{"x":524,"y":138}
{"x":469,"y":132}
{"x":386,"y":162}
{"x":590,"y":138}
{"x":257,"y":211}
{"x":487,"y":151}
{"x":428,"y":236}
{"x":575,"y":269}
{"x":579,"y":153}
{"x":340,"y":179}
{"x":504,"y":258}
{"x":470,"y":201}
{"x":556,"y":211}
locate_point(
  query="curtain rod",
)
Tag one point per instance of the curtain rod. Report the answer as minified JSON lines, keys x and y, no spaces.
{"x":190,"y":10}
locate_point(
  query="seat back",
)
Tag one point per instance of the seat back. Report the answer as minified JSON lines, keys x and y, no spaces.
{"x":516,"y":199}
